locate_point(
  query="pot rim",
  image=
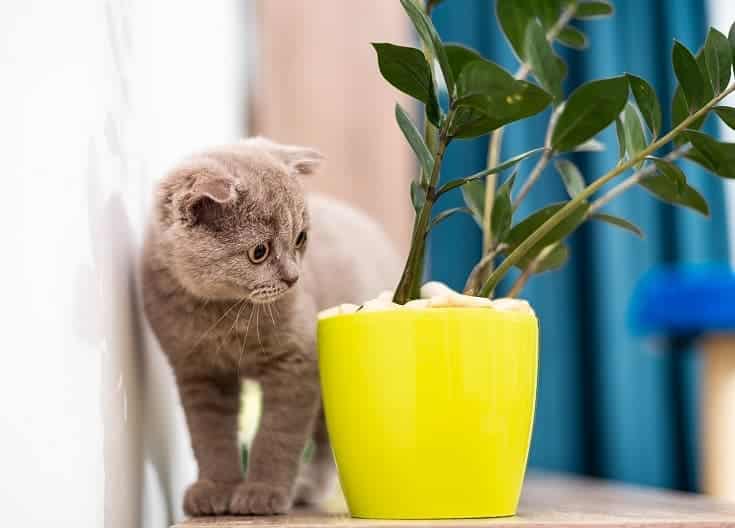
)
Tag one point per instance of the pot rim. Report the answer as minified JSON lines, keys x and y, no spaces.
{"x":438,"y":312}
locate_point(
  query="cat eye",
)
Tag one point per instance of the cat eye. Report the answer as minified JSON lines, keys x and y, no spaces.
{"x":301,"y":240}
{"x":259,"y":252}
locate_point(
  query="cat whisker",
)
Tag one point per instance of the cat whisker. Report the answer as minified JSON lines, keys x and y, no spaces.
{"x":244,"y":341}
{"x":218,"y":321}
{"x":232,"y":327}
{"x":257,"y":328}
{"x":272,"y":307}
{"x":270,"y":312}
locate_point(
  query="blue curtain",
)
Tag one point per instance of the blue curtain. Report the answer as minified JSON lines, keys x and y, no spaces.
{"x":608,"y":404}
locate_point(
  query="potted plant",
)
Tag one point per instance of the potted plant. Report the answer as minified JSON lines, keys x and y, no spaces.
{"x":430,"y":404}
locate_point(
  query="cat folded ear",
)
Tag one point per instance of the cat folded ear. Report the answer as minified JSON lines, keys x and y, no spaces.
{"x":209,"y":199}
{"x":301,"y":160}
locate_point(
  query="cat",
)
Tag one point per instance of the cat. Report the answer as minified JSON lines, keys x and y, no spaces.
{"x":237,"y":262}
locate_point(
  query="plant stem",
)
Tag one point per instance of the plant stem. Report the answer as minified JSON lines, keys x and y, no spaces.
{"x":635,"y":179}
{"x":409,"y":284}
{"x":569,"y":208}
{"x":541,"y":164}
{"x":520,"y":283}
{"x":496,"y":138}
{"x":474,"y":280}
{"x":493,"y":153}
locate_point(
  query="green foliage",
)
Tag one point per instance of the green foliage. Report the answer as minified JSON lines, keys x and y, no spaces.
{"x":492,"y":170}
{"x":546,"y":66}
{"x":571,"y":176}
{"x":483,"y":98}
{"x":424,"y":27}
{"x":648,"y":103}
{"x":407,"y":70}
{"x":668,"y":184}
{"x":689,"y":76}
{"x":618,"y":222}
{"x":727,"y":115}
{"x":502,"y":215}
{"x":524,"y":229}
{"x":486,"y":89}
{"x":719,"y":157}
{"x":446,"y":214}
{"x":634,"y":137}
{"x":415,"y":140}
{"x":594,"y":9}
{"x":590,"y":109}
{"x":473,"y":194}
{"x":718,"y":60}
{"x":573,"y":38}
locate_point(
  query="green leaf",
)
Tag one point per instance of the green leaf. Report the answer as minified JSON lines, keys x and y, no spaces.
{"x":530,"y":224}
{"x":689,"y":76}
{"x":671,"y":171}
{"x":513,"y":16}
{"x":548,"y":11}
{"x":731,"y":38}
{"x":572,"y":38}
{"x":430,"y":38}
{"x":415,"y":139}
{"x":679,"y":112}
{"x":718,"y":60}
{"x":446,"y":214}
{"x":460,"y":56}
{"x":589,"y":109}
{"x":720,"y":156}
{"x":555,"y":259}
{"x":727,"y":114}
{"x":635,"y":138}
{"x":407,"y":69}
{"x":542,"y":59}
{"x":591,"y":145}
{"x":484,"y":87}
{"x":502,"y":214}
{"x":494,"y":170}
{"x":593,"y":9}
{"x":619,"y":222}
{"x":694,"y":155}
{"x":418,"y":195}
{"x":663,"y":189}
{"x":474,"y":197}
{"x":571,"y":176}
{"x":708,"y":92}
{"x":648,"y":103}
{"x":620,"y":133}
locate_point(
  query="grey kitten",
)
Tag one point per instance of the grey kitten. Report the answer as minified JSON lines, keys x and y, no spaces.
{"x":236,"y":264}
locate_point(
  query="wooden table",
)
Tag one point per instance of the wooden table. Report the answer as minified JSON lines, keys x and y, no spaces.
{"x":548,"y":501}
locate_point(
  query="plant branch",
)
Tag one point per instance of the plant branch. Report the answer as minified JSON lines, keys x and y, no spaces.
{"x":541,"y":164}
{"x":496,"y":138}
{"x":521,"y":281}
{"x":522,"y":249}
{"x":410,"y":278}
{"x":474,"y":280}
{"x":635,"y":179}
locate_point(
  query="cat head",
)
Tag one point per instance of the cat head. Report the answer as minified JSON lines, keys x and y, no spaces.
{"x":233,"y":222}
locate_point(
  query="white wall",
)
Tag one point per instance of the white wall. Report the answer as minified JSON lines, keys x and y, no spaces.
{"x":722,"y":15}
{"x":98,"y":98}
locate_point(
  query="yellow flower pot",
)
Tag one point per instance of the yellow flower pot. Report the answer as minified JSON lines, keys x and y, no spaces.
{"x":430,"y":411}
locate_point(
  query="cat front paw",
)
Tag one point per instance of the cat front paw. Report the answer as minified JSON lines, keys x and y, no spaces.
{"x":206,"y":497}
{"x":254,"y":498}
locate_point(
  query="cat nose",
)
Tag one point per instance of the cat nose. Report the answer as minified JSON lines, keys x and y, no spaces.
{"x":290,"y":280}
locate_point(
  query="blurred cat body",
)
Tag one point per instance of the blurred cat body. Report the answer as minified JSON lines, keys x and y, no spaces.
{"x":237,"y":262}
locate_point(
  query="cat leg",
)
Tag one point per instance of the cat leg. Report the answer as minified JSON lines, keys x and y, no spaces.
{"x":212,"y":406}
{"x":290,"y":400}
{"x":318,"y":477}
